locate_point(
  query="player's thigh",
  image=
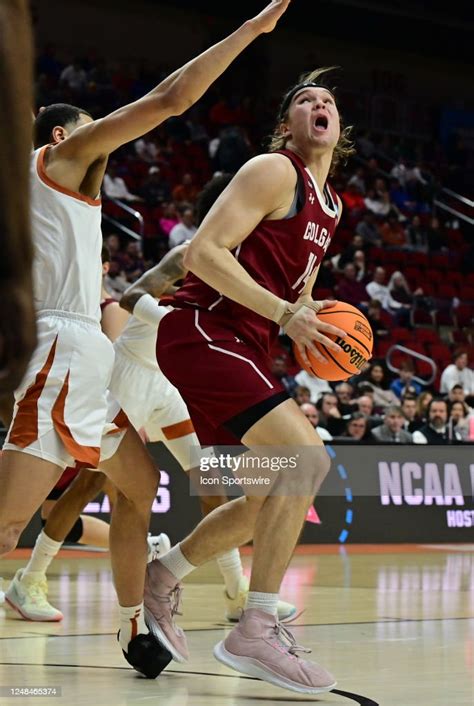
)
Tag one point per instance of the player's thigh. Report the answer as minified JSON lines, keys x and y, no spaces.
{"x":132,"y":470}
{"x":25,"y":481}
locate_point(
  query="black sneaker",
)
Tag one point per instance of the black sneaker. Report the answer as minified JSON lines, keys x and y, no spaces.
{"x":147,"y":656}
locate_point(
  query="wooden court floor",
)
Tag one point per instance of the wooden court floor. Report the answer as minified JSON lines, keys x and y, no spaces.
{"x":395,"y":624}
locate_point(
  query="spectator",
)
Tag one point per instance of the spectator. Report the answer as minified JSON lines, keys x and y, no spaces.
{"x":381,"y":206}
{"x":457,"y":394}
{"x":357,"y":429}
{"x":329,"y":415}
{"x":185,"y":230}
{"x":347,"y":255}
{"x":367,"y":228}
{"x":393,"y":233}
{"x":365,"y":404}
{"x":458,"y":373}
{"x":358,"y":180}
{"x":170,"y":218}
{"x":400,"y":197}
{"x":155,"y":190}
{"x":417,"y":236}
{"x":280,"y":370}
{"x":311,"y":413}
{"x":377,"y":289}
{"x":344,"y":393}
{"x":379,"y":321}
{"x":115,"y":187}
{"x":459,"y":418}
{"x":436,"y":236}
{"x":146,"y":148}
{"x":134,"y":264}
{"x":315,"y":385}
{"x":383,"y":397}
{"x":409,"y":410}
{"x":399,"y":171}
{"x":186,"y":191}
{"x":115,"y":281}
{"x":401,"y":293}
{"x":74,"y":77}
{"x":392,"y":428}
{"x":349,"y":289}
{"x":436,"y":430}
{"x":353,"y":200}
{"x":405,"y":385}
{"x":302,"y":395}
{"x":422,"y":404}
{"x":360,"y":265}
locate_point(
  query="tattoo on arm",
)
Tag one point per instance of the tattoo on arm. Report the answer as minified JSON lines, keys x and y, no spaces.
{"x":156,"y":281}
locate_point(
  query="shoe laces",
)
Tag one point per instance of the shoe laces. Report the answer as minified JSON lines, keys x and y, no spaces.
{"x":283,"y":634}
{"x":37,"y":591}
{"x":173,"y":597}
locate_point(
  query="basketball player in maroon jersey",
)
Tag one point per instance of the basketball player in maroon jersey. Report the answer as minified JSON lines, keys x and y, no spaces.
{"x":253,"y":265}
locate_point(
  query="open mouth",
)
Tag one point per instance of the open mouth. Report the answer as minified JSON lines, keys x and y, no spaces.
{"x":321,"y":123}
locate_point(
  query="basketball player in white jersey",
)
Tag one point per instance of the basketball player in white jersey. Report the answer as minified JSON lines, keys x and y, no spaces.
{"x":62,"y":413}
{"x":153,"y":404}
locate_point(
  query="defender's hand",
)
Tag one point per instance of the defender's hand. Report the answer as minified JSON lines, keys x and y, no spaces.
{"x":266,"y":21}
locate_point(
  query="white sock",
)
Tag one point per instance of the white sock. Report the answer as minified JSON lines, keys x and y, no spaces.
{"x":230,"y":566}
{"x":176,"y":562}
{"x":44,"y":551}
{"x":268,"y":602}
{"x":132,"y":623}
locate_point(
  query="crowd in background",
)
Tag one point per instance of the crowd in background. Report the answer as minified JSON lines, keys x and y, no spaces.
{"x":407,"y":267}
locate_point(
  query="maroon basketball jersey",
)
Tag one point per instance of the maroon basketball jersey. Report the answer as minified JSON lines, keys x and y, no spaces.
{"x":280,"y":255}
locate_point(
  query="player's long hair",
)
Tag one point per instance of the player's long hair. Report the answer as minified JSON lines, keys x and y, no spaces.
{"x":344,"y":148}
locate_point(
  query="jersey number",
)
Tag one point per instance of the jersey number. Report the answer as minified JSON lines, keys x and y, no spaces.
{"x":311,"y":265}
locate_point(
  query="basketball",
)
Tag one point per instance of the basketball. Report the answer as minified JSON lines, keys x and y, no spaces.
{"x":355,"y":349}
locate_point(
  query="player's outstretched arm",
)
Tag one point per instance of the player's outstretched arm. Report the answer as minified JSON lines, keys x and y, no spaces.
{"x":173,"y":96}
{"x":17,"y":321}
{"x":157,"y":280}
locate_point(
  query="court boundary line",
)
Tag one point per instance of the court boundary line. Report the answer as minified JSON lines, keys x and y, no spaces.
{"x":387,"y":621}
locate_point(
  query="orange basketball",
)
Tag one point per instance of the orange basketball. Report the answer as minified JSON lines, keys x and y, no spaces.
{"x":355,"y":348}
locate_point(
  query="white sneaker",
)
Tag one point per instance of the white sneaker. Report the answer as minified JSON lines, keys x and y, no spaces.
{"x":236,"y":606}
{"x":158,"y":546}
{"x":28,"y":596}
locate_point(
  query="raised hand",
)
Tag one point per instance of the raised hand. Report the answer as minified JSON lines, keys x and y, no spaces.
{"x":266,"y":21}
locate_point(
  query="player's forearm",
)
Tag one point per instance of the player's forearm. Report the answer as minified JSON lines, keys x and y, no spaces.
{"x":186,"y":85}
{"x":15,"y":140}
{"x":219,"y":269}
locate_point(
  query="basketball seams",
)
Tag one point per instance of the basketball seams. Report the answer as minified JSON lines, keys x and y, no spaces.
{"x":369,"y":353}
{"x":326,"y":350}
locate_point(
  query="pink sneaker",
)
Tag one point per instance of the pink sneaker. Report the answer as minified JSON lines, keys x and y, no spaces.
{"x":161,"y":598}
{"x":262,"y":647}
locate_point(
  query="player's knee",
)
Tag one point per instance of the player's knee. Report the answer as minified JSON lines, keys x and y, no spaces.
{"x":307,"y":476}
{"x":320,"y":464}
{"x":89,"y":484}
{"x":9,"y":536}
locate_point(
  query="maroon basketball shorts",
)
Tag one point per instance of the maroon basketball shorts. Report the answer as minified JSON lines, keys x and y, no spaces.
{"x":226,"y":384}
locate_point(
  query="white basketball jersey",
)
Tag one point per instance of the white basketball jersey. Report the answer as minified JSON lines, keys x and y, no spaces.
{"x":67,"y":239}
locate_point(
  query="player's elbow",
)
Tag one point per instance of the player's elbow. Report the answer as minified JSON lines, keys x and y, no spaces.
{"x":190,"y":257}
{"x":175,"y":100}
